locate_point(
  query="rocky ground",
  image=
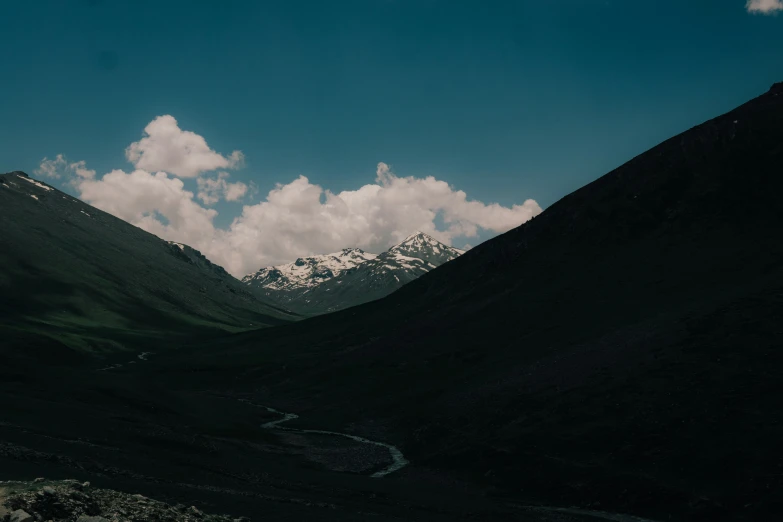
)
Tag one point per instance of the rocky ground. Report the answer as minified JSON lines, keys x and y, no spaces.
{"x":74,"y":501}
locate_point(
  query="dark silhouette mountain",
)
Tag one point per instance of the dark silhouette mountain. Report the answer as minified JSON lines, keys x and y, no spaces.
{"x":82,"y":277}
{"x":621,"y":349}
{"x":326,"y":283}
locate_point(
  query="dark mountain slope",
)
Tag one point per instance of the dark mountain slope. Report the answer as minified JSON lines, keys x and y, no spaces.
{"x":623,"y":347}
{"x":85,"y":278}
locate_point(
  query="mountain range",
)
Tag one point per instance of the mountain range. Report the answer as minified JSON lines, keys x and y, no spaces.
{"x":330,"y":282}
{"x":620,"y":350}
{"x":616,"y":357}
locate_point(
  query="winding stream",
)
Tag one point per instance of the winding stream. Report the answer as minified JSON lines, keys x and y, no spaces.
{"x":398,"y":459}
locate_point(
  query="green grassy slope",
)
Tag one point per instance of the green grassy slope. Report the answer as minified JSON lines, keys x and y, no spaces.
{"x":78,"y":275}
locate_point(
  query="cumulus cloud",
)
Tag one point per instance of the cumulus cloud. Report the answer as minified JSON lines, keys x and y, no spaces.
{"x":156,"y":203}
{"x":51,"y":168}
{"x":299,"y":218}
{"x":212,"y":190}
{"x":80,"y":169}
{"x":167,"y":148}
{"x":59,"y":166}
{"x":295,"y":219}
{"x":764,"y":6}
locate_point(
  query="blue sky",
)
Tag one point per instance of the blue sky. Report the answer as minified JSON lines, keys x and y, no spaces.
{"x":503,"y":100}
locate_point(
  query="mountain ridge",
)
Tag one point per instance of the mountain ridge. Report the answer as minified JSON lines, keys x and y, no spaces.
{"x":330,"y":282}
{"x":308,"y":271}
{"x":72,"y":270}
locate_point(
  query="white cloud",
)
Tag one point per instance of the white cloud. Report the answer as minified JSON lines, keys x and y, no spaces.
{"x":51,"y":168}
{"x":299,"y":218}
{"x":212,"y":190}
{"x":142,"y":198}
{"x":59,"y":165}
{"x":764,"y":6}
{"x":168,"y":148}
{"x":296,"y":219}
{"x":80,"y":169}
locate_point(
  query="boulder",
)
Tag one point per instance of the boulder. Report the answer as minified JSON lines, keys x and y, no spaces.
{"x":20,"y":515}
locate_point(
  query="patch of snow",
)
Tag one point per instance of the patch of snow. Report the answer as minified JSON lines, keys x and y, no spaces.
{"x":310,"y":271}
{"x":85,"y":213}
{"x":35,"y":183}
{"x":34,"y":197}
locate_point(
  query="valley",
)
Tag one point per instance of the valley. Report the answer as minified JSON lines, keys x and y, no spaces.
{"x":615,"y":358}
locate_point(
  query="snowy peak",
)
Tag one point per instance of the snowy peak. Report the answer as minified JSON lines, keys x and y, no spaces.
{"x":424,"y":247}
{"x":330,"y":282}
{"x":307,"y":272}
{"x":417,"y":239}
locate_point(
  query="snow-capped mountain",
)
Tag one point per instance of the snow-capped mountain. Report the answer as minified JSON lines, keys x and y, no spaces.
{"x":307,"y":272}
{"x":423,"y":247}
{"x":330,"y":282}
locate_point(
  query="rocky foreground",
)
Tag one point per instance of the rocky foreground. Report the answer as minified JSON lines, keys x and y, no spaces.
{"x":73,"y":501}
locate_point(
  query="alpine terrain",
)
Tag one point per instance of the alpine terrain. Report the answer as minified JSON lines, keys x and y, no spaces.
{"x":620,"y":352}
{"x":330,"y":282}
{"x":616,"y":358}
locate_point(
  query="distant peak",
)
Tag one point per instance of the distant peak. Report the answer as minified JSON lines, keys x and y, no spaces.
{"x":418,"y":235}
{"x":420,"y":241}
{"x":776,"y":87}
{"x":17,"y":173}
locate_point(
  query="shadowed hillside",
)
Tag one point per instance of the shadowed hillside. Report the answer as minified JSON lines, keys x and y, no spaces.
{"x":79,"y":276}
{"x":622,"y":348}
{"x":617,"y":354}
